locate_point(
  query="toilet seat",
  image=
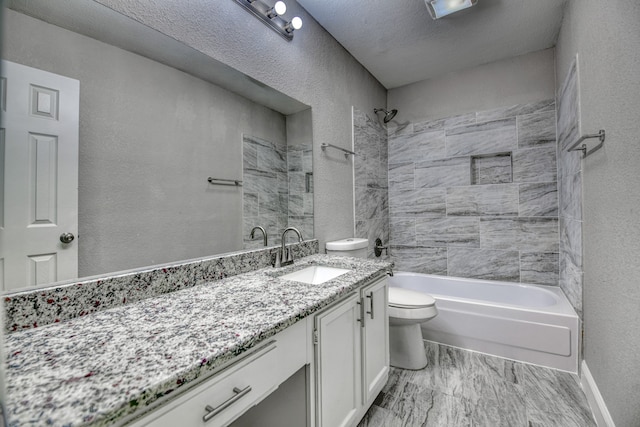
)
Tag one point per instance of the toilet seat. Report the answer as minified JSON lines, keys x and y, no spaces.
{"x":410,"y":306}
{"x":406,"y":298}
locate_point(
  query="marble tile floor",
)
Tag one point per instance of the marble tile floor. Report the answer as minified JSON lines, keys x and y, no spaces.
{"x":463,"y":388}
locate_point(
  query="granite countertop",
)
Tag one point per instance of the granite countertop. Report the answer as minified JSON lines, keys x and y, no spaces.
{"x":96,"y":369}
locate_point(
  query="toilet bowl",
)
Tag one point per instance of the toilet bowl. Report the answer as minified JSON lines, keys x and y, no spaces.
{"x":407,"y":310}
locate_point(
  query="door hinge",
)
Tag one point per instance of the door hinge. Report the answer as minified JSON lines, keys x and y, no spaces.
{"x":315,"y":337}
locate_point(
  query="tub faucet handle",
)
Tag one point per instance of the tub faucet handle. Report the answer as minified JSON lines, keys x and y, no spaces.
{"x":378,"y":249}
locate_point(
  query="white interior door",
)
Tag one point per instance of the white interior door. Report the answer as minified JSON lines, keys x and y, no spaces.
{"x":39,"y":197}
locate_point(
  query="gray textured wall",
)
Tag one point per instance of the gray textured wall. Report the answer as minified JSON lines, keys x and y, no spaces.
{"x":149,"y":137}
{"x":313,"y":69}
{"x":519,"y":80}
{"x":607,"y":41}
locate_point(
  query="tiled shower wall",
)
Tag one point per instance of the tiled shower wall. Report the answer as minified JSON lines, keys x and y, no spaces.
{"x":570,"y":188}
{"x":475,"y":195}
{"x":370,"y":180}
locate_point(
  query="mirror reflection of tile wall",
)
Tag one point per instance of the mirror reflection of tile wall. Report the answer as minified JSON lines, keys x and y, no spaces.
{"x":278,"y":183}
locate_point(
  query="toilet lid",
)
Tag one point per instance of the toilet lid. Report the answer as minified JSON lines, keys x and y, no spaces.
{"x":406,"y":298}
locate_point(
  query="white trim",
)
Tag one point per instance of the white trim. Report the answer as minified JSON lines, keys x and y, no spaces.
{"x":596,"y":402}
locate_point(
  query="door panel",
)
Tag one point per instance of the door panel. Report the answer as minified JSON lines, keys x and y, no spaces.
{"x":39,"y":158}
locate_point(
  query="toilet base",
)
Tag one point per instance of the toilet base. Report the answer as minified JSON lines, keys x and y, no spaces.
{"x":406,"y":347}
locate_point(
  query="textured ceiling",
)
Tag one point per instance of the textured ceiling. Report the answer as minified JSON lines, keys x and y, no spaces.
{"x":399,"y":43}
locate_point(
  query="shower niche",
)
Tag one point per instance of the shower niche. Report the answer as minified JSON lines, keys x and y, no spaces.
{"x":494,"y":168}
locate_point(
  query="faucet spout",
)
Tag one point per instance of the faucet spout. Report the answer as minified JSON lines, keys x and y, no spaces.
{"x":264,"y":233}
{"x":285,"y":257}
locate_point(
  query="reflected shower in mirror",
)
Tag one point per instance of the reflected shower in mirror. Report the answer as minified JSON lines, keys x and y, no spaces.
{"x":157,"y":118}
{"x":278,"y":182}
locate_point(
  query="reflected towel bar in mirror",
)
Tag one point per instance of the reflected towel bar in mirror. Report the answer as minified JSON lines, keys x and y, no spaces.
{"x":220,"y":181}
{"x":583,"y":147}
{"x":346,"y":152}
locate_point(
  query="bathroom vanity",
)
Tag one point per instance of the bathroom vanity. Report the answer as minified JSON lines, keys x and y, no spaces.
{"x":203,"y":356}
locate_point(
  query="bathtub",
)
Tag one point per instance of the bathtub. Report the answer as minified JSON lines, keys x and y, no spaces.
{"x":527,"y":323}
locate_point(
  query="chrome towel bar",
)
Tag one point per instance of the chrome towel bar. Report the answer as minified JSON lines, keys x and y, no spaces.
{"x":574,"y":147}
{"x":220,"y":181}
{"x":346,"y":152}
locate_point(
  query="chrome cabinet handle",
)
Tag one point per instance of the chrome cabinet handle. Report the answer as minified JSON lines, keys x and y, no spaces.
{"x":212,"y":412}
{"x":370,"y":296}
{"x":67,"y":237}
{"x":361,"y":307}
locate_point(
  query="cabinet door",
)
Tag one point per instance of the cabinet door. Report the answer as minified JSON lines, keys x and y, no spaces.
{"x":375,"y":369}
{"x":338,"y":364}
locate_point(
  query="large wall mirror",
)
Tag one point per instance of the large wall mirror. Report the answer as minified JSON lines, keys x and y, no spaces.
{"x":155,"y":120}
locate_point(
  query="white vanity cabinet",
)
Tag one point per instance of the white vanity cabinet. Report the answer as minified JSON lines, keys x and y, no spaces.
{"x":375,"y":340}
{"x":230,"y":392}
{"x":351,"y":356}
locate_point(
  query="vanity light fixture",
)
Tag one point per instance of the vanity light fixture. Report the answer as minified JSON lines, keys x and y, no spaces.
{"x":440,"y":8}
{"x":272,"y":16}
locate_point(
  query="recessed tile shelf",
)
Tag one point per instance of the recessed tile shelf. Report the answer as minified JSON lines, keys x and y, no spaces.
{"x":494,"y":168}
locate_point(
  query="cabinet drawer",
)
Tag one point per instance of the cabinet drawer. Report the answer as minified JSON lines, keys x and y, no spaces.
{"x":262,"y":371}
{"x":226,"y":388}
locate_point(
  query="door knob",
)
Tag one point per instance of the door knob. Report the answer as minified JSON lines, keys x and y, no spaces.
{"x":67,"y":237}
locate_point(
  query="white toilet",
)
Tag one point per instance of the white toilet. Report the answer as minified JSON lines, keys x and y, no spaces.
{"x":407,"y":310}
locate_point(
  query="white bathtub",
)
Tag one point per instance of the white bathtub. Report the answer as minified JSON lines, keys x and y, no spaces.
{"x":528,"y":323}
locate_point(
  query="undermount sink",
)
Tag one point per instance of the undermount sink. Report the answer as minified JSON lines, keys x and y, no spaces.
{"x":316,"y":274}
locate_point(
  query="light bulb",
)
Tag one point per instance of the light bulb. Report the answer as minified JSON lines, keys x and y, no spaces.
{"x":280,"y":7}
{"x":296,"y":23}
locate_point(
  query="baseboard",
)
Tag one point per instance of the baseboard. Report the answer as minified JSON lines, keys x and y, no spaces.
{"x":596,"y":402}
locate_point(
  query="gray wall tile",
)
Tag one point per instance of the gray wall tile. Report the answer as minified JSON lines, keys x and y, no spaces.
{"x":422,"y":146}
{"x":571,"y":199}
{"x":420,"y":260}
{"x":523,"y":234}
{"x":403,"y":232}
{"x":479,"y":200}
{"x":401,"y":176}
{"x":448,"y":231}
{"x":445,"y":123}
{"x":539,"y":199}
{"x":483,"y":138}
{"x":539,"y":268}
{"x":535,"y":165}
{"x":515,"y":110}
{"x":536,"y":130}
{"x":442,"y":173}
{"x":422,"y":202}
{"x":484,"y":264}
{"x":371,"y":179}
{"x":570,"y":191}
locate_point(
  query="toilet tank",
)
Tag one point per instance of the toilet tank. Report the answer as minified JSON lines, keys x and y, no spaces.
{"x":353,"y":246}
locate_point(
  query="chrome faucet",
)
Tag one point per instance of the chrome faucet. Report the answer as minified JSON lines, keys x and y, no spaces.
{"x":264,"y":233}
{"x":283,"y":256}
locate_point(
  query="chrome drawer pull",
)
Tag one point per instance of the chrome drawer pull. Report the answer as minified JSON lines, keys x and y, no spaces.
{"x":212,"y":412}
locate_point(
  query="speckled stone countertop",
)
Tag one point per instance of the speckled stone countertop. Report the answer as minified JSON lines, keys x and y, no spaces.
{"x":96,"y":369}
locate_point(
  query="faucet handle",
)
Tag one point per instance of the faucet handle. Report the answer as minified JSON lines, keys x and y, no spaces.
{"x":277,"y":263}
{"x":289,"y":255}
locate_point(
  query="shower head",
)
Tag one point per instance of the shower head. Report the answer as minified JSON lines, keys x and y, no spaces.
{"x":388,"y":115}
